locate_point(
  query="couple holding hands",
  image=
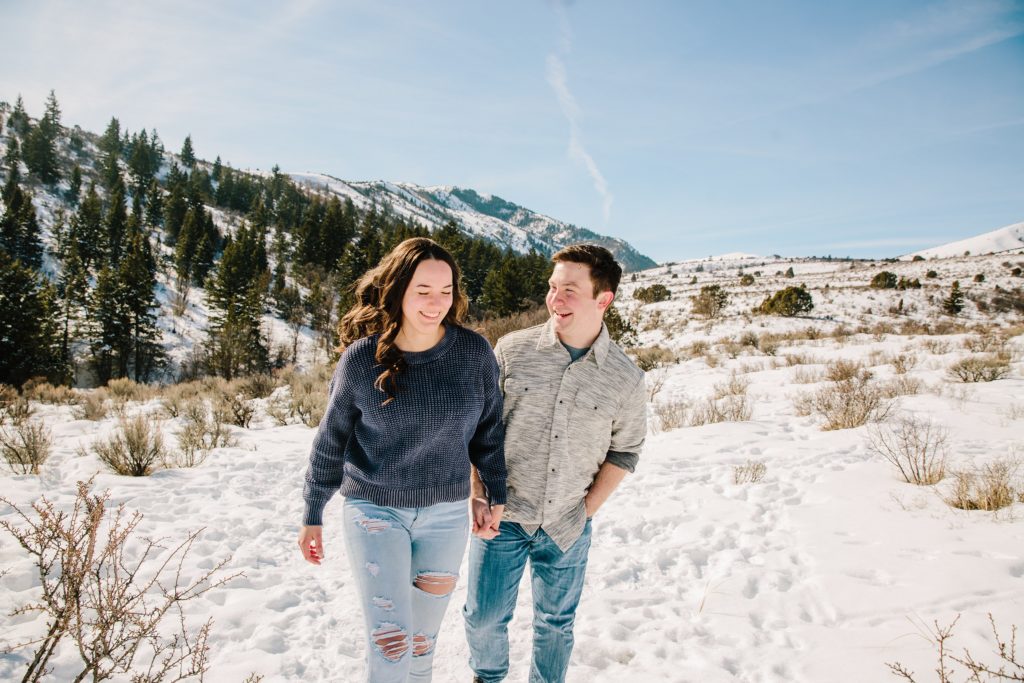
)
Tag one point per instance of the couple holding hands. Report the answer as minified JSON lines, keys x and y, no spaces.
{"x":423,"y":415}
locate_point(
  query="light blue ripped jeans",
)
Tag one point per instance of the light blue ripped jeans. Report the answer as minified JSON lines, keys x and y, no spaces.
{"x":406,"y":562}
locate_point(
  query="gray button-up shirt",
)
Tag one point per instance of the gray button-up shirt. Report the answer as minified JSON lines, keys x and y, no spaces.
{"x":562,"y":420}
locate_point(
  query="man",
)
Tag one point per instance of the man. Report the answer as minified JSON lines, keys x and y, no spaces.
{"x":575,"y":419}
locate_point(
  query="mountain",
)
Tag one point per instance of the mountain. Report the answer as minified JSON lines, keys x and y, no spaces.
{"x":485,"y":215}
{"x":1009,"y":238}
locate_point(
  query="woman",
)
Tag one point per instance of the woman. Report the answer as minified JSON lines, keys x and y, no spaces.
{"x":413,"y":402}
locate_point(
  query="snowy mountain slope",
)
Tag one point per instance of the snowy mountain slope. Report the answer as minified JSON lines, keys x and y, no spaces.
{"x":485,"y":215}
{"x":1006,"y":239}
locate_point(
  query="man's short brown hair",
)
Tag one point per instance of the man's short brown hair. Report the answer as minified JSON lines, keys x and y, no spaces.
{"x":605,"y":272}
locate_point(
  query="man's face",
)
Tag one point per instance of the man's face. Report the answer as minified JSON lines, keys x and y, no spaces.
{"x":572,"y":303}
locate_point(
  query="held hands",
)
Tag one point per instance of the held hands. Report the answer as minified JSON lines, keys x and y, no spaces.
{"x":311,"y":544}
{"x":486,"y":518}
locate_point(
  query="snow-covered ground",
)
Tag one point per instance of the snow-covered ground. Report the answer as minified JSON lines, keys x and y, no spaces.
{"x":824,"y":571}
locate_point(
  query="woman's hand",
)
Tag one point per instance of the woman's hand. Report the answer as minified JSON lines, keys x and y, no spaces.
{"x":311,"y":543}
{"x":486,"y":518}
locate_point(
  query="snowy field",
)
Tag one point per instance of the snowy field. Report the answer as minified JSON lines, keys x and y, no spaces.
{"x":825,"y":570}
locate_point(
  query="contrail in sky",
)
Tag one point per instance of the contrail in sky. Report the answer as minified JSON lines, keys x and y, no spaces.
{"x":558,"y":81}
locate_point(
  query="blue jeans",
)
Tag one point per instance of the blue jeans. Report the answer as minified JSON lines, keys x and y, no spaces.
{"x":495,"y":568}
{"x":405,"y":562}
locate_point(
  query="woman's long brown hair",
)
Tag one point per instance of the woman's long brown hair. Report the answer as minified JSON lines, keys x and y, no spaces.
{"x":378,"y":307}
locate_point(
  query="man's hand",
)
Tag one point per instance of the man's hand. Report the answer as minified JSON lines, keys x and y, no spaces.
{"x":311,"y":543}
{"x":486,"y":518}
{"x":591,"y":505}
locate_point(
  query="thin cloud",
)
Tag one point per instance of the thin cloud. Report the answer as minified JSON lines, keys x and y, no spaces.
{"x":558,"y":80}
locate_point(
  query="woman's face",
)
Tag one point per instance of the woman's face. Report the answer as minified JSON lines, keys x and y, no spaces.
{"x":427,"y":298}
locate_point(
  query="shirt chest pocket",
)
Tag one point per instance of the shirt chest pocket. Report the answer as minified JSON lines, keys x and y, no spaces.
{"x":593,"y":414}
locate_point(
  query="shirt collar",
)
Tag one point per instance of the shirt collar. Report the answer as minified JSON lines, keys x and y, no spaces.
{"x":599,"y":349}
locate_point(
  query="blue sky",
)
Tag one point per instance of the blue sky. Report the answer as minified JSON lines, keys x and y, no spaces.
{"x":866,"y":128}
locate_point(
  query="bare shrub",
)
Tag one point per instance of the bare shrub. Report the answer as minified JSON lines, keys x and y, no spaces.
{"x":917,"y":448}
{"x":174,"y":398}
{"x":124,"y":389}
{"x":257,"y":386}
{"x":901,"y":385}
{"x":1010,"y":668}
{"x":94,"y":406}
{"x":844,"y":370}
{"x":802,"y":359}
{"x":203,"y":431}
{"x":980,"y":368}
{"x":309,"y":397}
{"x":279,"y":408}
{"x":671,"y":414}
{"x":109,"y":592}
{"x":937,"y":347}
{"x":26,"y":446}
{"x":990,"y":487}
{"x":655,"y":381}
{"x":16,"y":411}
{"x":807,"y":375}
{"x":732,"y":408}
{"x":697,"y":348}
{"x":651,"y":357}
{"x":60,"y":395}
{"x":903,"y":363}
{"x":734,"y":386}
{"x":750,"y":472}
{"x":495,"y":328}
{"x":233,"y":407}
{"x":135,"y":450}
{"x":847,"y":404}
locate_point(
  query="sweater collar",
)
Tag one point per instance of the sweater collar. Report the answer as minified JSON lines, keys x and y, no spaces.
{"x":599,"y":349}
{"x":434,"y":352}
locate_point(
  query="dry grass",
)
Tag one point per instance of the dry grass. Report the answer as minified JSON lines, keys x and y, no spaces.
{"x":901,"y":385}
{"x":903,"y":363}
{"x":15,"y":410}
{"x":937,"y":347}
{"x":124,"y":389}
{"x":203,"y":431}
{"x":651,"y":357}
{"x":793,"y":359}
{"x":671,"y":414}
{"x":846,"y":404}
{"x":94,"y":406}
{"x":60,"y":395}
{"x":734,"y":386}
{"x":26,"y":446}
{"x":136,"y":449}
{"x":175,"y":397}
{"x":917,"y":448}
{"x":731,"y":408}
{"x":807,"y":375}
{"x":844,"y":370}
{"x":750,"y":472}
{"x":980,"y":368}
{"x":990,"y":487}
{"x":231,"y":405}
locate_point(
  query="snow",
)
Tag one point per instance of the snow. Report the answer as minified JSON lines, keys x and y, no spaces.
{"x":1006,"y":239}
{"x":825,"y":570}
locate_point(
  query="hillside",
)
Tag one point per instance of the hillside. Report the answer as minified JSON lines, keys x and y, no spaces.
{"x":505,"y":223}
{"x":1009,"y":239}
{"x":756,"y":541}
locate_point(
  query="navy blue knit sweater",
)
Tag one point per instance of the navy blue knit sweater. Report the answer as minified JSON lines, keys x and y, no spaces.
{"x":416,"y":450}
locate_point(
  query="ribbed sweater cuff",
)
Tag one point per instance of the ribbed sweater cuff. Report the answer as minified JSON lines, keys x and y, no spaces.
{"x":405,"y":498}
{"x":496,"y":492}
{"x":314,"y":515}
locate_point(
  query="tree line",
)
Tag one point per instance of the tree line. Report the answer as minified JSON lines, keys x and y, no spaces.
{"x":126,"y":220}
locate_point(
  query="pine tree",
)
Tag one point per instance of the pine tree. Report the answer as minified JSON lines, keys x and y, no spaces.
{"x":290,"y":308}
{"x":27,"y":331}
{"x":236,"y":292}
{"x":137,"y":280}
{"x":175,"y":207}
{"x":339,"y":228}
{"x":74,"y":186}
{"x":88,"y":232}
{"x":111,"y":342}
{"x":218,"y":169}
{"x":19,"y":228}
{"x":73,"y":302}
{"x":954,"y":303}
{"x":116,"y":222}
{"x":41,"y":144}
{"x":18,"y":120}
{"x":188,"y":155}
{"x":154,"y":204}
{"x":12,"y":163}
